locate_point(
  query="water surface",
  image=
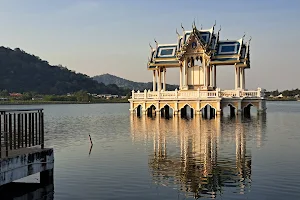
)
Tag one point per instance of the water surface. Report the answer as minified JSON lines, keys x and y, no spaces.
{"x":144,"y":158}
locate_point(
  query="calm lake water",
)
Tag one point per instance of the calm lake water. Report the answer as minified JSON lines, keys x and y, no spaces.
{"x":144,"y":158}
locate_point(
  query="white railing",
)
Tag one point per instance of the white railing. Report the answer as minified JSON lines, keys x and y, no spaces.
{"x":197,"y":94}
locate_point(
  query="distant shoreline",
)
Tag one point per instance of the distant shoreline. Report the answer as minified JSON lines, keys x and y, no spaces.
{"x":282,"y":100}
{"x":55,"y":102}
{"x":99,"y":102}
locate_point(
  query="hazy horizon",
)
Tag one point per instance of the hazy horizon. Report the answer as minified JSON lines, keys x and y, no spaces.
{"x":97,"y":37}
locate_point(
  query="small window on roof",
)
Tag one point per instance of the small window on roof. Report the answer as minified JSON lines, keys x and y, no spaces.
{"x":166,"y":52}
{"x":228,"y":49}
{"x":204,"y":37}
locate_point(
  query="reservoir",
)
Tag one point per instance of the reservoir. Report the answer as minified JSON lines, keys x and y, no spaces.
{"x":156,"y":158}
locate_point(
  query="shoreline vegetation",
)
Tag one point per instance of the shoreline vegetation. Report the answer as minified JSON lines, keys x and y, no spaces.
{"x":32,"y":102}
{"x":99,"y":101}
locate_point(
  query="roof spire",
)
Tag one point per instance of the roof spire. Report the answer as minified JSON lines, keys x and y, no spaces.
{"x":182,"y":27}
{"x":177,"y":33}
{"x":249,"y":40}
{"x":194,"y":24}
{"x":215,"y":23}
{"x":220,"y":29}
{"x":156,"y":42}
{"x":150,"y":46}
{"x":244,"y":35}
{"x":201,"y":27}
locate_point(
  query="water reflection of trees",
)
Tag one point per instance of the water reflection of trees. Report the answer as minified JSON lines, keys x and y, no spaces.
{"x":200,"y":157}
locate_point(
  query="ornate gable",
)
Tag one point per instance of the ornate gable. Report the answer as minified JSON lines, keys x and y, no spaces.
{"x":194,"y":45}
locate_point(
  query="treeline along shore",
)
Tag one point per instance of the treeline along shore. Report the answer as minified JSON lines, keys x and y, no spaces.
{"x":27,"y":79}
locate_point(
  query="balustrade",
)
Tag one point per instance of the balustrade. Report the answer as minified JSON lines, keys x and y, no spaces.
{"x":196,"y":94}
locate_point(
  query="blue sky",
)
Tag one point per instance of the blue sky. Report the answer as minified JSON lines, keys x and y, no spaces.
{"x":112,"y":36}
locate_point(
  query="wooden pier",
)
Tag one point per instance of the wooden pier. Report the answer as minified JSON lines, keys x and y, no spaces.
{"x":22,"y":151}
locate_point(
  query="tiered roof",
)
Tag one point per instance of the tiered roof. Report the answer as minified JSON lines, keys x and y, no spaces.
{"x":221,"y":52}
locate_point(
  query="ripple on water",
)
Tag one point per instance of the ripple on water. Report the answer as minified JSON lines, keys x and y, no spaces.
{"x":143,"y":158}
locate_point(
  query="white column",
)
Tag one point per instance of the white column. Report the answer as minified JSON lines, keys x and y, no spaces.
{"x":207,"y":76}
{"x":242,"y":78}
{"x":204,"y":71}
{"x":158,"y":80}
{"x":164,"y":83}
{"x":180,"y":77}
{"x":186,"y":74}
{"x":211,"y":75}
{"x":154,"y":81}
{"x":237,"y":77}
{"x":215,"y":76}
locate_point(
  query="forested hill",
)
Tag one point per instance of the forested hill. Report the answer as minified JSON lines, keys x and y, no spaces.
{"x":22,"y":72}
{"x":124,"y":83}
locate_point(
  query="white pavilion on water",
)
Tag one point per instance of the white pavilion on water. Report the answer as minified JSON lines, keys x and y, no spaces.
{"x":197,"y":54}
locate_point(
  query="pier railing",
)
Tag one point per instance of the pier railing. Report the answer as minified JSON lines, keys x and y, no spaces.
{"x":197,"y":94}
{"x":20,"y":128}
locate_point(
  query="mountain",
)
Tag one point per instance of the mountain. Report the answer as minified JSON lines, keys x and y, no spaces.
{"x":124,"y":83}
{"x":23,"y":72}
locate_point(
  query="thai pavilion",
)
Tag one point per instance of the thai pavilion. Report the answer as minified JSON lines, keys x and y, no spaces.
{"x":197,"y":54}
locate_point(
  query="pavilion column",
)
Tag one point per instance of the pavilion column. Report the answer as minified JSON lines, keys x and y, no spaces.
{"x":186,"y":74}
{"x":204,"y":71}
{"x":164,"y":78}
{"x":244,"y":79}
{"x":154,"y":81}
{"x":237,"y":78}
{"x":211,"y":75}
{"x":207,"y":76}
{"x":242,"y":70}
{"x":215,"y":76}
{"x":158,"y":80}
{"x":180,"y":77}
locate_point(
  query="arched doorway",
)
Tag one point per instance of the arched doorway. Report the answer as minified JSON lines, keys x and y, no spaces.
{"x":208,"y":112}
{"x":151,"y":111}
{"x":166,"y":111}
{"x":187,"y":112}
{"x":229,"y":109}
{"x":138,"y":110}
{"x":247,"y":110}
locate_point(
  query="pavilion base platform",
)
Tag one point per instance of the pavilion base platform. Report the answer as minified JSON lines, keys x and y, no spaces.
{"x":24,"y":162}
{"x":213,"y":106}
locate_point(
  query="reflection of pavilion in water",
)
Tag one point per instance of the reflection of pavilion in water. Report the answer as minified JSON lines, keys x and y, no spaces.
{"x":202,"y":157}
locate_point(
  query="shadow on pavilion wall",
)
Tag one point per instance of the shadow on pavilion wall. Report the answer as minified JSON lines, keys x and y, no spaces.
{"x":203,"y":158}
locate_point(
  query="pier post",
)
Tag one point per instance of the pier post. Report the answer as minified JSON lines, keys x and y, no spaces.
{"x":204,"y":113}
{"x":211,"y":112}
{"x":232,"y":111}
{"x":46,"y":177}
{"x":262,"y":107}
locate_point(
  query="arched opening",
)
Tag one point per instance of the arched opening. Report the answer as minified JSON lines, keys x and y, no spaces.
{"x":247,"y":110}
{"x":166,"y":111}
{"x":208,"y":112}
{"x":229,"y":110}
{"x":151,"y":111}
{"x":187,"y":112}
{"x":139,"y":110}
